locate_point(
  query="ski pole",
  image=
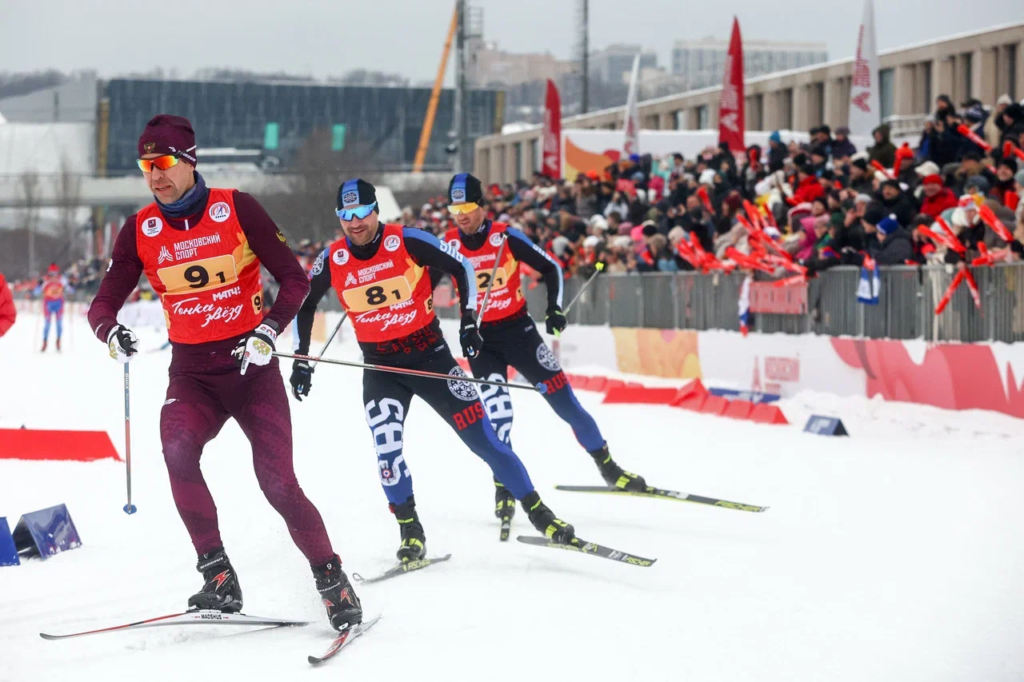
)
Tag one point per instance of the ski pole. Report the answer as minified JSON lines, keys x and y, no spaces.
{"x":128,"y":508}
{"x":540,"y":388}
{"x":344,"y":315}
{"x":494,"y":271}
{"x":598,"y":268}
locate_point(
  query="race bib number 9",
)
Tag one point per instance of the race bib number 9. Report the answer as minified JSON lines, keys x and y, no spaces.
{"x":200,"y":275}
{"x":483,"y":279}
{"x":378,"y":295}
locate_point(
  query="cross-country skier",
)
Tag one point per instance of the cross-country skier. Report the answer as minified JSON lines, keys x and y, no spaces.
{"x":53,"y":287}
{"x":380,"y":274}
{"x":510,"y":335}
{"x":201,"y":249}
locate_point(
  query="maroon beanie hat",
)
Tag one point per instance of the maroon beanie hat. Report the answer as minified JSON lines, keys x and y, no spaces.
{"x":166,"y":134}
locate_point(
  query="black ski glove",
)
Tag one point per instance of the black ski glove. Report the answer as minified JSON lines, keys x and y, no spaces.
{"x":555,"y":320}
{"x":301,"y":379}
{"x":469,"y":337}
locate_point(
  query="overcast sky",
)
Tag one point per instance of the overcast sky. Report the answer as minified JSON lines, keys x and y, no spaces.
{"x":330,"y":37}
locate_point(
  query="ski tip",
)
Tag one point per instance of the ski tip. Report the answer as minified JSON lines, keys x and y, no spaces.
{"x":47,"y":637}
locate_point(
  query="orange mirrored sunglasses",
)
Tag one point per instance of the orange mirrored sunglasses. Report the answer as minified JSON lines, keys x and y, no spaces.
{"x":162,"y":162}
{"x":462,"y":208}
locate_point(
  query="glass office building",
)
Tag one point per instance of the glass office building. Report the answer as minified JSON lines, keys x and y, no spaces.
{"x":277,"y":118}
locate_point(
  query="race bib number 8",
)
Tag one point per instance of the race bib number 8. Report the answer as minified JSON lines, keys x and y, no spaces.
{"x":483,"y":279}
{"x":200,"y":275}
{"x":378,"y":295}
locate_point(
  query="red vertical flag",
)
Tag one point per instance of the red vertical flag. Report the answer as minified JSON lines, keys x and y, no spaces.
{"x":730,"y":103}
{"x":551,"y":165}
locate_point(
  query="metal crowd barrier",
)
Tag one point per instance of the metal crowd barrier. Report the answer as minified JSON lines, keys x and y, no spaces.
{"x":906,"y":307}
{"x":689,"y":300}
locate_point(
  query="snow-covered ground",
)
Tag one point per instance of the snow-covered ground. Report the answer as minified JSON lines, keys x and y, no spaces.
{"x":895,"y":554}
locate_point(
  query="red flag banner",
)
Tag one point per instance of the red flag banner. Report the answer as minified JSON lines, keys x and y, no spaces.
{"x":731,"y":123}
{"x":552,"y":154}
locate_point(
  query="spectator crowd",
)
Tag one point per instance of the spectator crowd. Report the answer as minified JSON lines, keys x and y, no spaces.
{"x":823,"y":202}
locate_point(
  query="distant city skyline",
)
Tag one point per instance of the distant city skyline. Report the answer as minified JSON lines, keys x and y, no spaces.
{"x":312,"y":37}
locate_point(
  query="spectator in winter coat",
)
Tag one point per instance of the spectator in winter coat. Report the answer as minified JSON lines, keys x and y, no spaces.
{"x":971,"y":166}
{"x":944,"y":109}
{"x":993,"y":131}
{"x":860,"y":179}
{"x":884,"y":151}
{"x":974,"y":119}
{"x":937,"y":198}
{"x":1005,"y":190}
{"x":7,"y":311}
{"x":808,"y":188}
{"x":895,"y":245}
{"x":842,"y":148}
{"x":896,"y":201}
{"x":1012,"y":124}
{"x":777,"y":152}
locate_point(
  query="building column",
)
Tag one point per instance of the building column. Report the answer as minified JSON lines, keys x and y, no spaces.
{"x":942,"y":78}
{"x":510,"y":172}
{"x":1018,"y":88}
{"x":903,"y":92}
{"x":921,"y":105}
{"x":770,"y":105}
{"x":693,"y":118}
{"x":529,"y":164}
{"x":482,"y":163}
{"x":667,"y":120}
{"x":801,"y":107}
{"x":713,"y":115}
{"x":830,"y":105}
{"x":497,"y":162}
{"x":963,"y":77}
{"x":983,"y":75}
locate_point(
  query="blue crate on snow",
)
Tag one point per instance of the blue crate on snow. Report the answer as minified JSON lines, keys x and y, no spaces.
{"x":8,"y":550}
{"x":46,"y":532}
{"x":825,"y":426}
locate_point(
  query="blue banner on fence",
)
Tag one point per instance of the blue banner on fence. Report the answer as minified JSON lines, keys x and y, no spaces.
{"x":46,"y":532}
{"x":753,"y":396}
{"x":8,"y":550}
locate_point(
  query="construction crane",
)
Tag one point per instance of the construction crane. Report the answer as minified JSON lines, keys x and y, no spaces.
{"x":435,"y":96}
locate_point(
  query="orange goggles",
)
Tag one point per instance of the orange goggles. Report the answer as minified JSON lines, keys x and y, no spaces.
{"x":462,"y":208}
{"x":162,"y":162}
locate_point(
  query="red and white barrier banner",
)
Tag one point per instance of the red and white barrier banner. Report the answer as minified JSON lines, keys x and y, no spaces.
{"x":958,"y":376}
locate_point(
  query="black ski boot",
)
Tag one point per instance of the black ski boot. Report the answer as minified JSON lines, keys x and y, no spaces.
{"x":414,"y":541}
{"x":613,"y":474}
{"x":221,"y":591}
{"x":504,"y":502}
{"x":343,"y":607}
{"x":544,"y":520}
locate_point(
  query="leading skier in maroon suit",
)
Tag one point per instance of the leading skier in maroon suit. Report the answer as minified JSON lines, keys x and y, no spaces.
{"x":201,"y":249}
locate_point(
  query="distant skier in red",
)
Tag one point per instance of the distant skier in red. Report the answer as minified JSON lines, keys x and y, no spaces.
{"x":53,"y":287}
{"x":201,"y":249}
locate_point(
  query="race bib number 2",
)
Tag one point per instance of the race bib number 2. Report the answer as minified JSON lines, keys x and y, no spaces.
{"x":378,"y":295}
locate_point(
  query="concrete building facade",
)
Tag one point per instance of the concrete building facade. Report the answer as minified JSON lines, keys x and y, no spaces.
{"x":982,"y":64}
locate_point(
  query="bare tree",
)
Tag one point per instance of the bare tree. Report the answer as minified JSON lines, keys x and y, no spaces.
{"x":306,"y":209}
{"x":30,"y":205}
{"x":67,"y":190}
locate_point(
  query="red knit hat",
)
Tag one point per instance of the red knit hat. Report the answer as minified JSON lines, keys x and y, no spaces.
{"x":932,"y":180}
{"x":166,"y":134}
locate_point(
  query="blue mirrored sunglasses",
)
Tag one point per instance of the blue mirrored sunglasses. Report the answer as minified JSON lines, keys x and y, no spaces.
{"x":357,"y":212}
